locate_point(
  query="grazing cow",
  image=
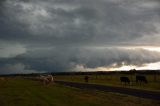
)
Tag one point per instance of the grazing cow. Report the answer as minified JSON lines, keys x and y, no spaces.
{"x":86,"y":78}
{"x":46,"y":79}
{"x":50,"y":78}
{"x":125,"y":80}
{"x":140,"y":78}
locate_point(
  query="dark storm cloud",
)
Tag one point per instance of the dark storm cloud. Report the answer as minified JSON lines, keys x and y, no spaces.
{"x":58,"y":35}
{"x":56,"y":60}
{"x":78,"y":22}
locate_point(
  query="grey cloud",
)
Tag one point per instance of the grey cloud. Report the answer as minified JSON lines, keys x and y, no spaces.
{"x":57,"y":35}
{"x":66,"y":59}
{"x":120,"y":57}
{"x":8,"y":50}
{"x":91,"y":22}
{"x":17,"y":68}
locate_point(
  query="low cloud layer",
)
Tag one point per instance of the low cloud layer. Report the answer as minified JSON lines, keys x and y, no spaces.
{"x":67,"y":59}
{"x":16,"y":68}
{"x":58,"y":35}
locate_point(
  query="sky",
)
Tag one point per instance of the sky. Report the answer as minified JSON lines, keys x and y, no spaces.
{"x":79,"y":35}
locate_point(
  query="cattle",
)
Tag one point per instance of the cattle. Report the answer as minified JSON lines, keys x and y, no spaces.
{"x":46,"y":79}
{"x":140,"y":78}
{"x":86,"y":78}
{"x":125,"y":80}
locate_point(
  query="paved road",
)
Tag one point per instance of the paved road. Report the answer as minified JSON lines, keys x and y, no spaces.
{"x":129,"y":91}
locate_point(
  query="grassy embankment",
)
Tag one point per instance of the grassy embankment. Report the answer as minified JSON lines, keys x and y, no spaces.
{"x":23,"y":92}
{"x":114,"y":80}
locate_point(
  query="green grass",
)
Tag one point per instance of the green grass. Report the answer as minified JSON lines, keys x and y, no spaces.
{"x":114,"y":80}
{"x":24,"y":92}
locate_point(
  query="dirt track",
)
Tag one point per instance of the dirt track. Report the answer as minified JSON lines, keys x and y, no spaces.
{"x":129,"y":91}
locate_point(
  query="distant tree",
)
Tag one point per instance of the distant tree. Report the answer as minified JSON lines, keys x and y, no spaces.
{"x":132,"y":70}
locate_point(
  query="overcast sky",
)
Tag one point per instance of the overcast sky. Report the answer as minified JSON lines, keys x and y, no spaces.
{"x":78,"y":35}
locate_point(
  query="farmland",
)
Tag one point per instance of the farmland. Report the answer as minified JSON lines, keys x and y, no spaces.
{"x":114,"y":80}
{"x":17,"y":91}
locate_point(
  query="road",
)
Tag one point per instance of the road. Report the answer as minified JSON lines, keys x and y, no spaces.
{"x":129,"y":91}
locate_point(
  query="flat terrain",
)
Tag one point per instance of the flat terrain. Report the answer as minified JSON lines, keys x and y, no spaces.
{"x":24,"y":92}
{"x":114,"y":80}
{"x":129,"y":91}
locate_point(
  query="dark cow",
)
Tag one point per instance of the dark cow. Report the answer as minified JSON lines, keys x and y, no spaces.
{"x":125,"y":80}
{"x":140,"y":78}
{"x":86,"y":78}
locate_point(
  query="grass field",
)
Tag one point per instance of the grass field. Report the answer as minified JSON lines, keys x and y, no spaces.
{"x":114,"y":80}
{"x":24,"y":92}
